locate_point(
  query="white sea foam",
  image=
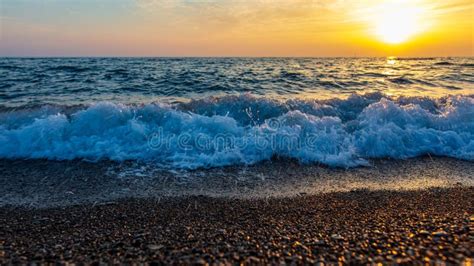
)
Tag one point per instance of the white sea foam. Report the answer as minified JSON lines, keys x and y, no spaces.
{"x":245,"y":130}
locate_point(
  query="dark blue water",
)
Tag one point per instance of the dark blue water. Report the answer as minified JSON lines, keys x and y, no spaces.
{"x":139,"y":80}
{"x":208,"y":112}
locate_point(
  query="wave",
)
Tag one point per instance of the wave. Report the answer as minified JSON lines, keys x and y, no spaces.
{"x":401,"y":80}
{"x":446,"y":63}
{"x":70,"y":68}
{"x":244,"y":129}
{"x":443,"y":63}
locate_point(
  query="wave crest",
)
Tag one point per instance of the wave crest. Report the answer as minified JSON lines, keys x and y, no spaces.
{"x":245,"y":130}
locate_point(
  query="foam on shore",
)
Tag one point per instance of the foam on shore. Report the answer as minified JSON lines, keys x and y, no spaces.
{"x":245,"y":130}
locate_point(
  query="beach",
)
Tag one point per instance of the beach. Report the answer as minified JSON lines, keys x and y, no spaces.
{"x":236,"y":160}
{"x":430,"y":226}
{"x":47,"y":184}
{"x":417,"y":210}
{"x":179,"y":132}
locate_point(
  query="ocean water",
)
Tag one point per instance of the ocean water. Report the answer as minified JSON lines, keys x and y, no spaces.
{"x":188,"y":113}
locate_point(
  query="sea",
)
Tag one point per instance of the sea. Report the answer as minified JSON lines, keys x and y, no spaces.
{"x":99,"y":130}
{"x":195,"y":113}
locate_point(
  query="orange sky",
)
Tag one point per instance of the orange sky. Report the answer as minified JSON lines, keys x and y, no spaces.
{"x":237,"y":28}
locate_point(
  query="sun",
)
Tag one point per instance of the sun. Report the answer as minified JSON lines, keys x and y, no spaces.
{"x":397,"y":21}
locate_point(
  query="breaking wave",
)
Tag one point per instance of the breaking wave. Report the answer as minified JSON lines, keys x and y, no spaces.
{"x":244,"y":129}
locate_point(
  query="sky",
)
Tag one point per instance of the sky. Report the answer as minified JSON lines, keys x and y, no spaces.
{"x":321,"y":28}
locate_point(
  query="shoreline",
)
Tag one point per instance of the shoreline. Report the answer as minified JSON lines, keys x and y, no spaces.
{"x":430,"y":225}
{"x":45,"y":184}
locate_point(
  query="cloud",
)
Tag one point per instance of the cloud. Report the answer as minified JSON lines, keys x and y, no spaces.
{"x":453,"y":7}
{"x":250,"y":13}
{"x":242,"y":4}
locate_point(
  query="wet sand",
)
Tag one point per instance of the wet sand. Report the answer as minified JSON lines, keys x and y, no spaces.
{"x":418,"y":210}
{"x":45,"y":184}
{"x":362,"y":226}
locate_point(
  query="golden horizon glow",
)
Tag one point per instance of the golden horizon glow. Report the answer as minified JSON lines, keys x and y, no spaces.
{"x":237,"y":28}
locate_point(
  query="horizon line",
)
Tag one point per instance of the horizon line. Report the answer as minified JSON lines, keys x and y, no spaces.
{"x":187,"y":56}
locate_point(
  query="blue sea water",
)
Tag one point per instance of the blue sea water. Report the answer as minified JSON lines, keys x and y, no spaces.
{"x":208,"y":112}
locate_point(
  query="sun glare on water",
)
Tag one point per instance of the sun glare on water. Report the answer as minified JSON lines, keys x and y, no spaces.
{"x":397,"y":21}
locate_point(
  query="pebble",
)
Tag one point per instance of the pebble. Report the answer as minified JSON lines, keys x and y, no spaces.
{"x":321,"y":229}
{"x":337,"y":237}
{"x":440,"y":234}
{"x":155,"y":247}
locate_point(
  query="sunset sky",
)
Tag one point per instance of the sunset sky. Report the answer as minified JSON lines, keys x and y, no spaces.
{"x":236,"y":28}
